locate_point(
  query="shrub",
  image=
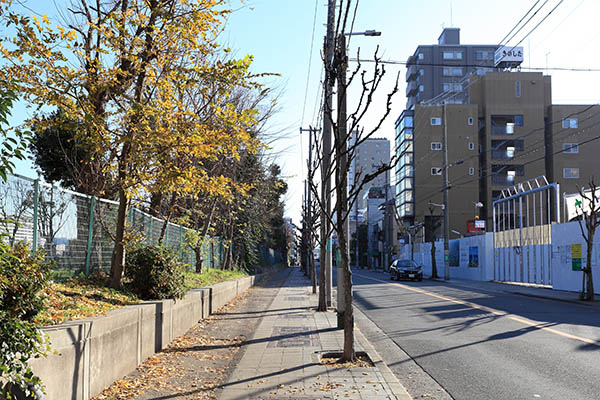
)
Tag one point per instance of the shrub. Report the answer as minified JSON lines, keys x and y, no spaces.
{"x":154,"y":272}
{"x":22,"y":277}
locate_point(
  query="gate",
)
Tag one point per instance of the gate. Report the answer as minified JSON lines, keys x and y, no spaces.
{"x":522,"y":220}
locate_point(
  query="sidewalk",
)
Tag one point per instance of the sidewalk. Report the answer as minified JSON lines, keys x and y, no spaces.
{"x":282,"y":359}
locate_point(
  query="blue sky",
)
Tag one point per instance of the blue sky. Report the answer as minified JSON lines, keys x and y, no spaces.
{"x":279,"y":34}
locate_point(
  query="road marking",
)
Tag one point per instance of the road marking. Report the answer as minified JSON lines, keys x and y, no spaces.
{"x":488,"y":310}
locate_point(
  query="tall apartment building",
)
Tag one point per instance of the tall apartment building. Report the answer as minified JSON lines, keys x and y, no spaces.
{"x":509,"y":133}
{"x":419,"y":172}
{"x":441,"y":72}
{"x":368,"y":157}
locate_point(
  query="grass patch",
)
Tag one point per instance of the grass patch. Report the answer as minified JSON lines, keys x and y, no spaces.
{"x":210,"y":276}
{"x":83,"y":298}
{"x":78,"y":299}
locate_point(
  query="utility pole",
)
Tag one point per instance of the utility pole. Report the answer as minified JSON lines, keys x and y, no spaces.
{"x":356,"y":200}
{"x":385,"y":231}
{"x":445,"y":188}
{"x":325,"y":254}
{"x":310,"y":265}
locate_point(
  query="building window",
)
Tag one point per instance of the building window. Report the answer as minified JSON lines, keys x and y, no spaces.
{"x":484,"y":55}
{"x":569,"y":123}
{"x":452,"y":55}
{"x":471,"y":146}
{"x":570,"y":148}
{"x":452,"y":87}
{"x":471,"y":171}
{"x":470,"y":120}
{"x":421,"y":72}
{"x":518,"y":120}
{"x":421,"y":88}
{"x":436,"y":171}
{"x":436,"y":146}
{"x":452,"y":71}
{"x":518,"y":89}
{"x":436,"y":121}
{"x":571,"y":173}
{"x":421,"y":56}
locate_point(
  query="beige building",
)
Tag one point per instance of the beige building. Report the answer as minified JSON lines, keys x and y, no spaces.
{"x":369,"y":156}
{"x":508,"y":133}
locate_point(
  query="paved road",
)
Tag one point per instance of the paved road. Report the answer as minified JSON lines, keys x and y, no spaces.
{"x":487,"y":344}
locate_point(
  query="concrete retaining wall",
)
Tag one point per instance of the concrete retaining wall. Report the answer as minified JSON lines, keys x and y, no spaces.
{"x":94,"y":352}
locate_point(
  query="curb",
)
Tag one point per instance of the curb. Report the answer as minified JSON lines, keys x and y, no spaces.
{"x":392,"y":382}
{"x":397,"y":389}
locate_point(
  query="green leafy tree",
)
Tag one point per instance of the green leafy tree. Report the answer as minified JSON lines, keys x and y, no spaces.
{"x":13,"y":146}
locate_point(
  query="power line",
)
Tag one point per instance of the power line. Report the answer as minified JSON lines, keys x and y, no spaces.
{"x":537,"y":25}
{"x":518,"y":23}
{"x":394,"y":62}
{"x":312,"y":40}
{"x":530,"y":18}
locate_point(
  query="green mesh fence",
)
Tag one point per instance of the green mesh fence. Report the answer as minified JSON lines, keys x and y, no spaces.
{"x":77,"y":231}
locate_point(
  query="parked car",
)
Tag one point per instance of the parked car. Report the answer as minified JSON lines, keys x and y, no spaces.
{"x":406,"y":269}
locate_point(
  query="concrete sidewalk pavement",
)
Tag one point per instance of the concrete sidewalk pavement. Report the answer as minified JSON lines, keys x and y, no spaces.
{"x":283,"y":358}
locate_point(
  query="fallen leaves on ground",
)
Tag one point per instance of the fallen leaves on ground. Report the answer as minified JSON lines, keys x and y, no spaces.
{"x":78,"y":299}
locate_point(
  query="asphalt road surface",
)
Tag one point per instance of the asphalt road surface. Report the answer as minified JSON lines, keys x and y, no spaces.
{"x":485,"y":344}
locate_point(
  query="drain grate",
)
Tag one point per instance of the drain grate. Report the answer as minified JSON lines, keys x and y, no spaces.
{"x":293,"y":336}
{"x":295,"y":298}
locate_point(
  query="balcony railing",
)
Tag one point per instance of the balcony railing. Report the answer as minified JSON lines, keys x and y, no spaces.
{"x":411,"y":72}
{"x":411,"y":88}
{"x":502,"y":155}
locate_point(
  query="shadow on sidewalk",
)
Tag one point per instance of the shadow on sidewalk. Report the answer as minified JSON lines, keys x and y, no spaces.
{"x":252,"y":341}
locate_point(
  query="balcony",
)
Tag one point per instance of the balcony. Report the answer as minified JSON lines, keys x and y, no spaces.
{"x":411,"y":72}
{"x":411,"y":88}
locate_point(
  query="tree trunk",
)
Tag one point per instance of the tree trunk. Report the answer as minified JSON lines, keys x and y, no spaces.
{"x":163,"y":230}
{"x":322,"y":283}
{"x":349,"y":354}
{"x":313,"y":271}
{"x":434,"y":273}
{"x":118,"y":260}
{"x":588,"y":267}
{"x":199,"y":260}
{"x":155,"y":203}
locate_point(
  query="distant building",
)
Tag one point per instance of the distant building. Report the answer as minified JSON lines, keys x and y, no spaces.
{"x":369,"y":156}
{"x":509,"y":132}
{"x":441,"y":71}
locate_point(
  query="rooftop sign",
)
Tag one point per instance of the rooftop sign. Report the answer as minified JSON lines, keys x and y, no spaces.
{"x":508,"y":56}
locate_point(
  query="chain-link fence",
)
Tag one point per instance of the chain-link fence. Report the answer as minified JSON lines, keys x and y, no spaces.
{"x":76,"y":230}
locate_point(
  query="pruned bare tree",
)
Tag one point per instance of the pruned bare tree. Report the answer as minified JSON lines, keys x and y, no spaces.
{"x":589,"y":221}
{"x":348,"y":137}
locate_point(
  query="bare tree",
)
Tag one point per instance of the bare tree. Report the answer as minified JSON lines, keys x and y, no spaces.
{"x":16,"y":205}
{"x":590,"y":217}
{"x":348,"y":137}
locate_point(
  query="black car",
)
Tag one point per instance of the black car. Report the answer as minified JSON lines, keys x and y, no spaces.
{"x":406,"y":269}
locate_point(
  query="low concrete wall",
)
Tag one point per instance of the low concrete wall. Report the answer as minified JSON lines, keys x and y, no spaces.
{"x":92,"y":353}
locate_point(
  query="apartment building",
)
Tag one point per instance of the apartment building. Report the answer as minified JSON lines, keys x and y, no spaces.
{"x":419,"y":172}
{"x":441,"y":72}
{"x":369,"y":156}
{"x":508,"y":133}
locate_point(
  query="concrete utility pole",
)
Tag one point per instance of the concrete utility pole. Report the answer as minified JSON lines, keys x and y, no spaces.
{"x":311,"y":131}
{"x":325,"y":254}
{"x":445,"y":193}
{"x":356,"y":200}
